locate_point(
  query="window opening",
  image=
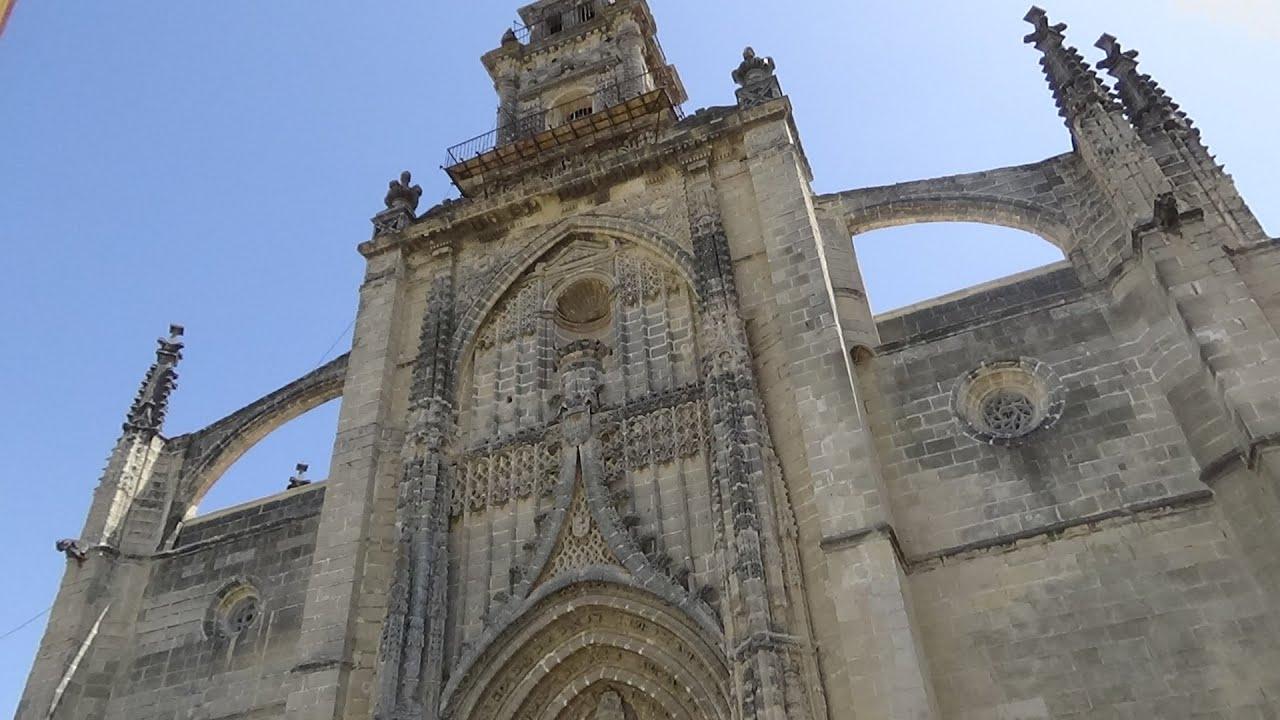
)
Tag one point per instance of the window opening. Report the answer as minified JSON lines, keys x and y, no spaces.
{"x":242,"y":615}
{"x":1008,"y":413}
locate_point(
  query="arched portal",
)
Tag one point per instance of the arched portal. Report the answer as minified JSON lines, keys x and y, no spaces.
{"x":596,"y":651}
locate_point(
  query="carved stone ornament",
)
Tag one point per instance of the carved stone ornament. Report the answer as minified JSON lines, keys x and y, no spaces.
{"x":757,"y":82}
{"x":402,"y":194}
{"x":152,"y":401}
{"x":581,"y":375}
{"x":402,"y":204}
{"x":72,"y":549}
{"x":753,"y":68}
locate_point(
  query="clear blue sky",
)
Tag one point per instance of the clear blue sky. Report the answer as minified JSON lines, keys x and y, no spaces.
{"x":216,"y":163}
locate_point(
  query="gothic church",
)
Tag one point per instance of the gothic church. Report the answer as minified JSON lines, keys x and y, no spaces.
{"x":621,"y":439}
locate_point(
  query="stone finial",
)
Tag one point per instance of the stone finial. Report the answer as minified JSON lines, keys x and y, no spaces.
{"x":71,"y":548}
{"x":509,"y":37}
{"x":1145,"y":102}
{"x":152,"y":401}
{"x":299,"y":478}
{"x":756,"y":79}
{"x":402,"y":205}
{"x":753,"y":68}
{"x":1074,"y":84}
{"x":401,"y":194}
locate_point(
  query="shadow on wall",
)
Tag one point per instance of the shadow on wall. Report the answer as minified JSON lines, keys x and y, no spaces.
{"x":905,"y":265}
{"x":265,"y":470}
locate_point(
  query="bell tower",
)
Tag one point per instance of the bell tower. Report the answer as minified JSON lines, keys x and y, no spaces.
{"x":571,"y":69}
{"x":574,"y":57}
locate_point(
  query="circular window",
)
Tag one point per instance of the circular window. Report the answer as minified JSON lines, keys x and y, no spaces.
{"x":237,"y":609}
{"x":242,"y":615}
{"x":584,"y":305}
{"x":1007,"y":402}
{"x":1008,"y":412}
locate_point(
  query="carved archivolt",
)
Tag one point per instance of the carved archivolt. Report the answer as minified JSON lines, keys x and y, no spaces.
{"x":587,"y":642}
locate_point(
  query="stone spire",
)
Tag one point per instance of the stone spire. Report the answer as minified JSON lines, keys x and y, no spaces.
{"x":1176,"y":144}
{"x":1145,"y":102}
{"x":152,"y":401}
{"x":1074,"y":84}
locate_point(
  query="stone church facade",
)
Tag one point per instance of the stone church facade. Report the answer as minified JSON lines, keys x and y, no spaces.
{"x":620,"y":439}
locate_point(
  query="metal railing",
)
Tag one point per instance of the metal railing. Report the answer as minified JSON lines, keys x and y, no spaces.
{"x":576,"y":15}
{"x":526,"y":126}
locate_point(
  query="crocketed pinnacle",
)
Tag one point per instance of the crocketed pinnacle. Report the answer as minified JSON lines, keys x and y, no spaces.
{"x":1074,"y":84}
{"x":152,"y":402}
{"x":1145,"y":102}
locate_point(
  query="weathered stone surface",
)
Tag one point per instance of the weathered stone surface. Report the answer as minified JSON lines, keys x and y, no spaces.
{"x":621,"y":439}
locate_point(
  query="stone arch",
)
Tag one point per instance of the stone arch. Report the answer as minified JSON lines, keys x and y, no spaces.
{"x":1052,"y":199}
{"x":212,"y":451}
{"x":1035,"y":218}
{"x":472,"y":318}
{"x":588,"y":633}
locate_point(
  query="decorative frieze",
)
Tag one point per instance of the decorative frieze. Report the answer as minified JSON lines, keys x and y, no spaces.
{"x":492,"y":478}
{"x":513,"y":472}
{"x":640,"y":279}
{"x":662,"y":435}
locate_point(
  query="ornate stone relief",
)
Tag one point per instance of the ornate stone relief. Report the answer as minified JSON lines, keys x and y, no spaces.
{"x":580,"y":544}
{"x":661,"y":436}
{"x":640,"y":279}
{"x":517,"y":318}
{"x":493,"y":479}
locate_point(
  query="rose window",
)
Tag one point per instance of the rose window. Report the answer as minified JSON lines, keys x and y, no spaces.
{"x":1008,"y":413}
{"x":1008,"y":402}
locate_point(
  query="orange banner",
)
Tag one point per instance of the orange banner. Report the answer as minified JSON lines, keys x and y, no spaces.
{"x":6,"y":7}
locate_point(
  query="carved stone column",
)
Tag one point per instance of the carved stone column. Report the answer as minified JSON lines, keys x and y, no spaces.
{"x":759,"y":641}
{"x":410,"y":657}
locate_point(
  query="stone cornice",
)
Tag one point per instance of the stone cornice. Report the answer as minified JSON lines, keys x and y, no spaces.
{"x":579,"y":172}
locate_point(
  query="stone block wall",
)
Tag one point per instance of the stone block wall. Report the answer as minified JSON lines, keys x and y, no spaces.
{"x":1136,"y":617}
{"x":1090,"y":572}
{"x":180,"y":664}
{"x":1117,"y":445}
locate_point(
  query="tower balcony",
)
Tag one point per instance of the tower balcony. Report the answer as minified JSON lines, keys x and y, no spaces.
{"x":615,"y":109}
